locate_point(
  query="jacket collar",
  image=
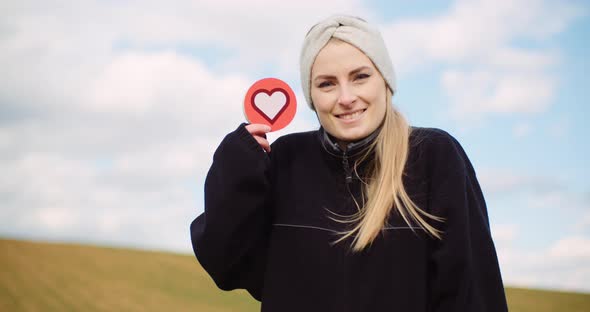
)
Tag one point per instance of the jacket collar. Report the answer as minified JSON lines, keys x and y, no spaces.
{"x":331,"y":145}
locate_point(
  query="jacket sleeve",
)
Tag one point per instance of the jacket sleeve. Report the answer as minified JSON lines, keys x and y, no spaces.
{"x":464,"y":269}
{"x":229,"y":238}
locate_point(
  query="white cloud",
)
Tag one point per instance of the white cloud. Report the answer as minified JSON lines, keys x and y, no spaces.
{"x":484,"y":92}
{"x":498,"y":181}
{"x":556,"y":261}
{"x":534,"y":191}
{"x":480,"y":32}
{"x":504,"y":234}
{"x":56,"y":218}
{"x":572,"y":248}
{"x":561,"y":265}
{"x":562,"y":199}
{"x":484,"y":72}
{"x":271,"y":33}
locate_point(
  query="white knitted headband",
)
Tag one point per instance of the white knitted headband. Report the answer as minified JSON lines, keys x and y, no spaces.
{"x":352,"y":30}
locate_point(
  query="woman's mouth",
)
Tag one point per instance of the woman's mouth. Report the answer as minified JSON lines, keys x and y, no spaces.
{"x":352,"y":115}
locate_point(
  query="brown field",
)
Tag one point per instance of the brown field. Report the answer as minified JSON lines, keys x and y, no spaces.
{"x":67,"y":277}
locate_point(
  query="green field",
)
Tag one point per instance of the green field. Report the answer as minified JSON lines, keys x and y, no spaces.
{"x":65,"y":277}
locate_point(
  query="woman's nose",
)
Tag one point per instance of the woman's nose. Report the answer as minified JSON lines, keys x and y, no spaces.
{"x":347,"y":96}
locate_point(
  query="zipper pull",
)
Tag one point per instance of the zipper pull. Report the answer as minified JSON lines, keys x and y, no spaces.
{"x":347,"y":170}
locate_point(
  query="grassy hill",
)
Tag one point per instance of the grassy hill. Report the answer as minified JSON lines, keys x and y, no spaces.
{"x":65,"y":277}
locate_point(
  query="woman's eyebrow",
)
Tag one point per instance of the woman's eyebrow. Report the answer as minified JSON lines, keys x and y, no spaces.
{"x":323,"y":76}
{"x":353,"y":72}
{"x":356,"y":71}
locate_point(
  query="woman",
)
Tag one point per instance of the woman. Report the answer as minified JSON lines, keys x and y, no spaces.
{"x":365,"y":214}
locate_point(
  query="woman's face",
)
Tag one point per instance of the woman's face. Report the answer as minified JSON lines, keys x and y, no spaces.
{"x":347,"y":91}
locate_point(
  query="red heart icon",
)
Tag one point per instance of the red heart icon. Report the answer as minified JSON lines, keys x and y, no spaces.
{"x":270,"y":104}
{"x":270,"y":101}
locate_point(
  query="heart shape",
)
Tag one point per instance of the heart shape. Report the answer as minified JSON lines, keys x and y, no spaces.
{"x":270,"y":104}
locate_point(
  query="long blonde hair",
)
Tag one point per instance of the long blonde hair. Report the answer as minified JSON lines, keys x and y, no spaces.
{"x":383,"y":189}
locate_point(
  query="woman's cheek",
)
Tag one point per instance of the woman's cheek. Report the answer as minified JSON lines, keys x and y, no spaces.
{"x":322,"y":104}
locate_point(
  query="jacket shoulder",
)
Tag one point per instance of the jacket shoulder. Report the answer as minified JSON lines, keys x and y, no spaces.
{"x":439,"y":146}
{"x":430,"y":135}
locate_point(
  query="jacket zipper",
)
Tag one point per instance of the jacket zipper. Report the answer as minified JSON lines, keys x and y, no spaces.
{"x":347,"y":171}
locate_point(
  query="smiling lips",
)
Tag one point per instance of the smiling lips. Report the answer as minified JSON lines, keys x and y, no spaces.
{"x":352,"y":115}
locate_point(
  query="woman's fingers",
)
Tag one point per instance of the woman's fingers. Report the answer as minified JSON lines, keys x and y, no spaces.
{"x":258,"y":129}
{"x":259,"y":132}
{"x":263,"y":143}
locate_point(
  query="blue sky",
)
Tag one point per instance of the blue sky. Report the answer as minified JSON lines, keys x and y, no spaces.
{"x":110,"y":112}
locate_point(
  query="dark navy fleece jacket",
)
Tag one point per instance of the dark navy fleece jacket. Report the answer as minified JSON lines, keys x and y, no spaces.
{"x":266,"y":228}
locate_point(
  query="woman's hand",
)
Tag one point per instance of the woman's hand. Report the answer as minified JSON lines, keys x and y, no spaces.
{"x":259,"y":131}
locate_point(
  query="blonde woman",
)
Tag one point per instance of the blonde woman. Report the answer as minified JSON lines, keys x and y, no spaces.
{"x":365,"y":214}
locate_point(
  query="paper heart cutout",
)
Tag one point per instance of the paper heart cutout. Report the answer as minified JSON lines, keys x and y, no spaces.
{"x":270,"y":104}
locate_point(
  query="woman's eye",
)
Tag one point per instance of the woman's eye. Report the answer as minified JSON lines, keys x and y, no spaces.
{"x":324,"y":84}
{"x":362,"y":76}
